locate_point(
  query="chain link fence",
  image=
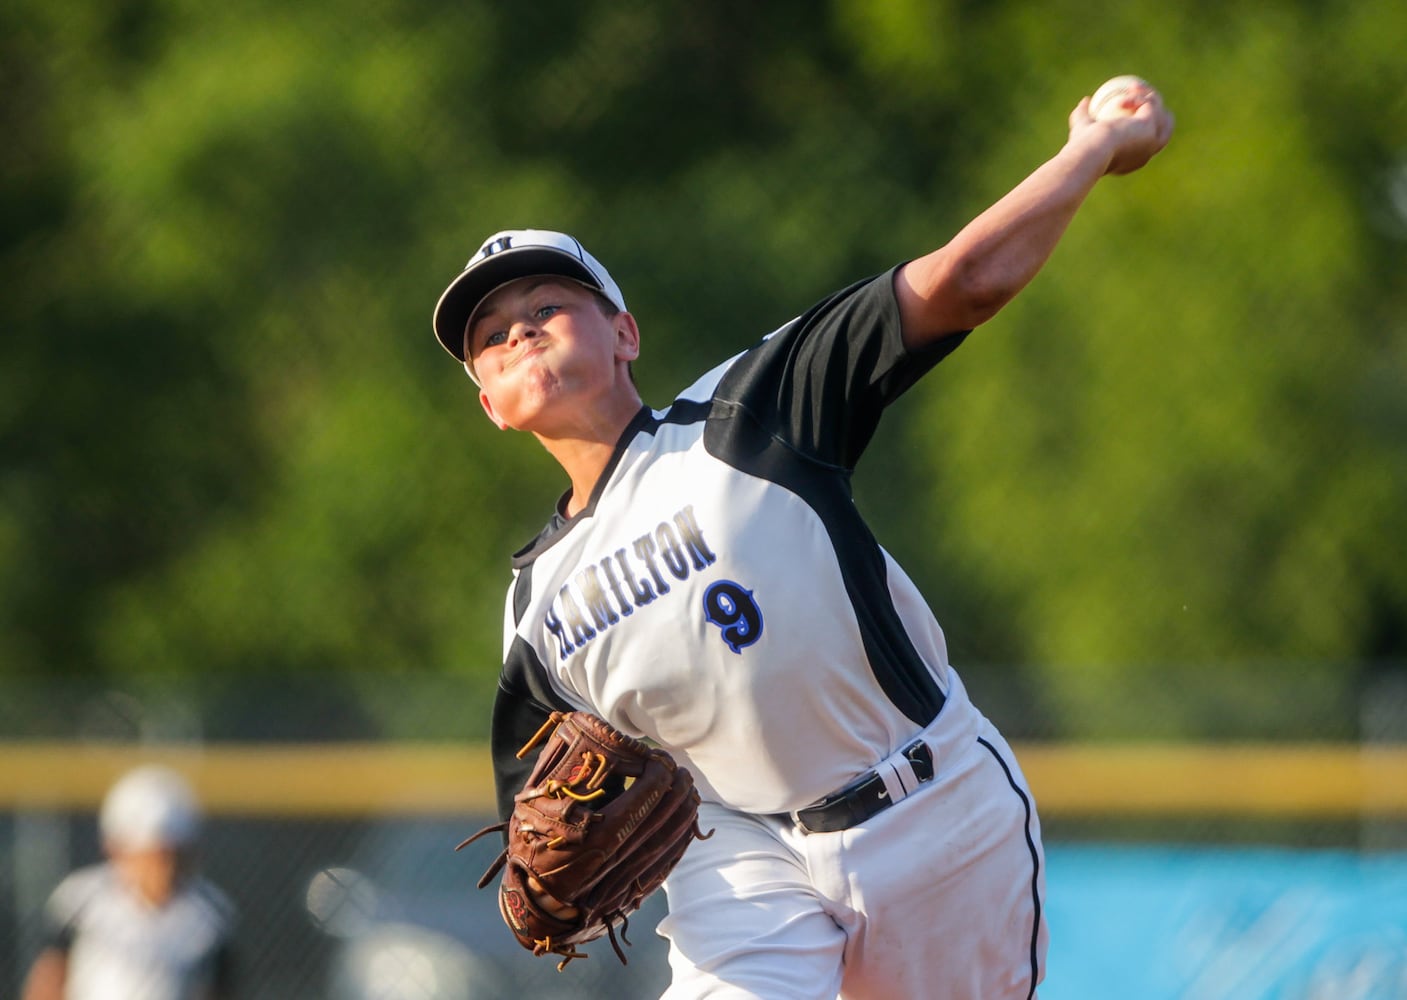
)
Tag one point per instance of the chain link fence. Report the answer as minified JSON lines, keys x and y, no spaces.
{"x":376,"y":903}
{"x":360,"y":904}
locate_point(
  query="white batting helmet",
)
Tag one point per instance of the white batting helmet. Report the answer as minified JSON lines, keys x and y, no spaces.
{"x":151,"y":806}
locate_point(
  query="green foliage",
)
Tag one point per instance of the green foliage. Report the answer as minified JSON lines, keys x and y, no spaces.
{"x":231,"y":445}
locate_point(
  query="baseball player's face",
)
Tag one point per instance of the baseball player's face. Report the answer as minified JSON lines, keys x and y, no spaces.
{"x":152,"y":874}
{"x":544,"y":350}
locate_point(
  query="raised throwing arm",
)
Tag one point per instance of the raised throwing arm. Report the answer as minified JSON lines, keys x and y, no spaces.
{"x":968,"y":280}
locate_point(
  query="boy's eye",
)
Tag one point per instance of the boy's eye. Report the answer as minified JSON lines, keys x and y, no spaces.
{"x":546,"y":312}
{"x":495,"y":338}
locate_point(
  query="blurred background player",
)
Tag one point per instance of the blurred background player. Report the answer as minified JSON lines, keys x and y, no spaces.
{"x":142,"y":925}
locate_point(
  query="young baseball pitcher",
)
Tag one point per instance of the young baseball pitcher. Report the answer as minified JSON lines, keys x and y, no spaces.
{"x":707,"y":583}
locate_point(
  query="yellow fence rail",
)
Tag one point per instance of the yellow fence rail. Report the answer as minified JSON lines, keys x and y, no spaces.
{"x":1070,"y":780}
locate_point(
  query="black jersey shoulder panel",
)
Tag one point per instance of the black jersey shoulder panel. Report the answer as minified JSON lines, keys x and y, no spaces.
{"x":524,"y":701}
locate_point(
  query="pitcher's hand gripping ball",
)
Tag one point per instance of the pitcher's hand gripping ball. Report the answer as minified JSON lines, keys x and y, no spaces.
{"x":602,"y":820}
{"x":1119,"y":96}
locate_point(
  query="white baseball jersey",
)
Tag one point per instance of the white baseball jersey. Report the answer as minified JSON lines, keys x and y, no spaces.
{"x":121,"y":948}
{"x":720,"y":594}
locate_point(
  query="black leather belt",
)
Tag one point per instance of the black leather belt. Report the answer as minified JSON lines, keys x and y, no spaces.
{"x":862,"y":799}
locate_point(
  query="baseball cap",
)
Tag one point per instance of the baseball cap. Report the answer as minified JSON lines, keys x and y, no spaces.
{"x":504,"y":257}
{"x":150,"y":807}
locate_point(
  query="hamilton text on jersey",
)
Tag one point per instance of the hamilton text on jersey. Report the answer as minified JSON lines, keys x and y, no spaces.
{"x":599,"y":595}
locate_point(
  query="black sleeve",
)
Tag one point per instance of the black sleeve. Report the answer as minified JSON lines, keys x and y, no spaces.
{"x":822,"y":382}
{"x":524,"y":701}
{"x":58,"y":938}
{"x":223,"y":972}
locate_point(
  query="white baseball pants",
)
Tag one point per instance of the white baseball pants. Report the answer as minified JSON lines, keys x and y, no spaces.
{"x":940,"y":895}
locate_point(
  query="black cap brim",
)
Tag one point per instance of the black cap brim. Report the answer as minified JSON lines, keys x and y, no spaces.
{"x":465,"y":293}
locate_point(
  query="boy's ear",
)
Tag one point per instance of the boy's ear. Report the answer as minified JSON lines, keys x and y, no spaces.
{"x":627,"y":337}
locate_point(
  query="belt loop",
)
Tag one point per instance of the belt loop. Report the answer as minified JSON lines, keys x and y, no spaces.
{"x":898,"y":777}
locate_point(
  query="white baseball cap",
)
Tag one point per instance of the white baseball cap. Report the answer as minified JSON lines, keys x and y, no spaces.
{"x":150,"y":807}
{"x":507,"y":256}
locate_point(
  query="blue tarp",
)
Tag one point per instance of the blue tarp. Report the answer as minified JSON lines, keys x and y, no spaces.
{"x":1179,"y":923}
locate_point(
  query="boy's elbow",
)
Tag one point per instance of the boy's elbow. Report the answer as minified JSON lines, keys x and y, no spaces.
{"x":975,"y":294}
{"x":959,"y":295}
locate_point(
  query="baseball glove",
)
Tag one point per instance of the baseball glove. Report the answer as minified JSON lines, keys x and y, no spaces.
{"x":602,"y":820}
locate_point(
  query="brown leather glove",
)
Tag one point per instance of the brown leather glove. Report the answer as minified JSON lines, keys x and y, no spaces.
{"x":602,"y":820}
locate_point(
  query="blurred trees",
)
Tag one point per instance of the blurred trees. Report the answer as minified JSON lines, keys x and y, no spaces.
{"x":1163,"y":492}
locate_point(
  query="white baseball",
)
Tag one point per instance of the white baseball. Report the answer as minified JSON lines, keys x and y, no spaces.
{"x":1107,"y":101}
